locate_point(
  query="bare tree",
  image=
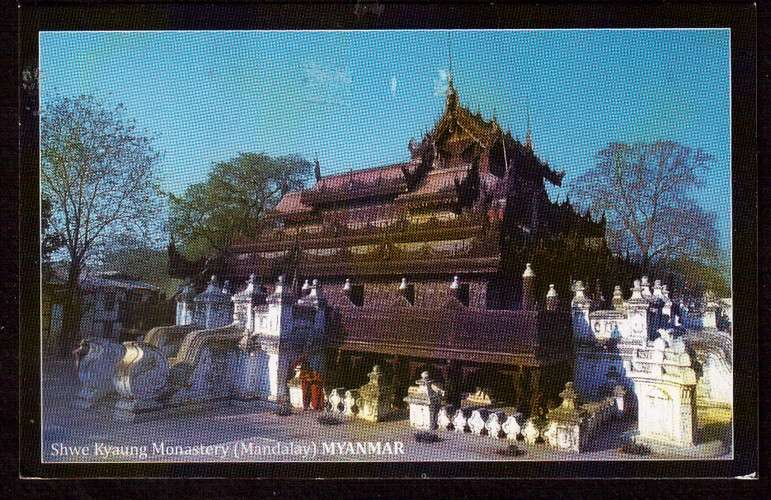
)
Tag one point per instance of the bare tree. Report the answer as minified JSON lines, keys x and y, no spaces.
{"x":646,"y":193}
{"x":50,"y":241}
{"x":97,"y":171}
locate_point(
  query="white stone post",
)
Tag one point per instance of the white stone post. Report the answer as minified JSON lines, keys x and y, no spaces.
{"x":245,"y":301}
{"x":424,"y":400}
{"x":528,"y":288}
{"x":213,"y":308}
{"x":645,"y":288}
{"x":530,"y":432}
{"x":637,"y":314}
{"x":618,"y":299}
{"x":185,"y":306}
{"x":552,"y":299}
{"x":337,"y":400}
{"x":619,"y":393}
{"x":350,"y":408}
{"x":444,"y":417}
{"x":280,"y":324}
{"x":460,"y":420}
{"x":580,"y":306}
{"x":296,"y":396}
{"x":667,"y":309}
{"x":711,"y":311}
{"x":665,"y":386}
{"x":512,"y":427}
{"x":477,"y":421}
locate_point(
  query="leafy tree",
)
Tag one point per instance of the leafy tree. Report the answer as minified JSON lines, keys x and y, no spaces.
{"x":695,"y":277}
{"x":229,"y":204}
{"x":646,"y":193}
{"x":97,"y":171}
{"x":144,"y":262}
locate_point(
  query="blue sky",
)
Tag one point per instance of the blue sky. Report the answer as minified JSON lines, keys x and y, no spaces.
{"x":356,"y":98}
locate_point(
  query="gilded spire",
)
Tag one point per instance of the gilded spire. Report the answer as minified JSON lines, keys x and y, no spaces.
{"x":452,"y":94}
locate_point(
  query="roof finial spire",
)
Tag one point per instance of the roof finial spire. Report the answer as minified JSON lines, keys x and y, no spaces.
{"x":452,"y":94}
{"x":317,"y":168}
{"x":449,"y":52}
{"x":528,"y":132}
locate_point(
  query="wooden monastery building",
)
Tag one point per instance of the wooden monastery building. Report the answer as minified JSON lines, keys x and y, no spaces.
{"x":422,"y":263}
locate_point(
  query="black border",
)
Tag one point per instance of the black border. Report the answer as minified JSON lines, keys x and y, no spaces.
{"x":742,"y":19}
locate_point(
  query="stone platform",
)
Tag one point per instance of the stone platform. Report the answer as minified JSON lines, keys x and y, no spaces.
{"x":252,"y":431}
{"x":700,"y":451}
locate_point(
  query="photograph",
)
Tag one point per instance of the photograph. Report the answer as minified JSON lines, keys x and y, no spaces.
{"x":386,"y":249}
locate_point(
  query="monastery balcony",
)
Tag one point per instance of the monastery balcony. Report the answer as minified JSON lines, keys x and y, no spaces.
{"x":331,"y":234}
{"x":471,"y":256}
{"x":530,"y":338}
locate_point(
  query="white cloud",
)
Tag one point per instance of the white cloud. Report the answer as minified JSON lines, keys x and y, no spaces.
{"x":392,"y":85}
{"x":326,"y":83}
{"x":440,"y":84}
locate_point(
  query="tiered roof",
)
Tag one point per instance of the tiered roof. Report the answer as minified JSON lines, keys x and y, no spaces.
{"x":416,"y":180}
{"x":438,"y":182}
{"x":463,"y":164}
{"x":358,"y":184}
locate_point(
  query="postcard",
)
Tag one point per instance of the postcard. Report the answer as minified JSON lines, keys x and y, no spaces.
{"x":345,"y":246}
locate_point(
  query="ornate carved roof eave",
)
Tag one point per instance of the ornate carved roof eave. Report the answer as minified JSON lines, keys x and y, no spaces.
{"x":435,"y":266}
{"x":554,"y":177}
{"x":458,"y":116}
{"x":523,"y":358}
{"x":429,"y":200}
{"x":547,"y":172}
{"x":449,"y":267}
{"x":382,"y":189}
{"x":420,"y":163}
{"x":308,"y":216}
{"x":432,"y":234}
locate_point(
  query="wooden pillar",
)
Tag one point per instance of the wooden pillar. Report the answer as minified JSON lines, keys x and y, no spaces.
{"x":413,"y":369}
{"x":520,"y":382}
{"x":536,"y":391}
{"x":512,"y":386}
{"x":354,"y":366}
{"x":552,"y":385}
{"x":440,"y":368}
{"x":332,"y":367}
{"x":399,"y":378}
{"x":468,"y":382}
{"x":453,"y":381}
